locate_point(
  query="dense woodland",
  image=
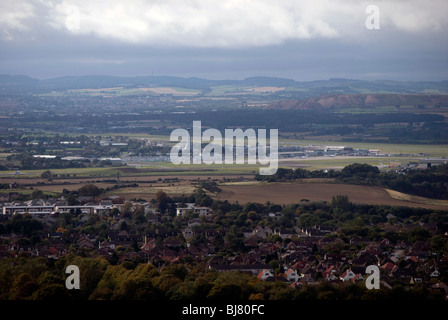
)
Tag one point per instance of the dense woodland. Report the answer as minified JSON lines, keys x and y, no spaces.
{"x":43,"y":279}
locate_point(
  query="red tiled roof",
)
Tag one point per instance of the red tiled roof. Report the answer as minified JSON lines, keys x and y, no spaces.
{"x":388,"y":266}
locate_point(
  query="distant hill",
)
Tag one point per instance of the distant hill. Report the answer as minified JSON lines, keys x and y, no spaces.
{"x":6,"y":79}
{"x":23,"y":83}
{"x":361,"y":100}
{"x":99,"y":81}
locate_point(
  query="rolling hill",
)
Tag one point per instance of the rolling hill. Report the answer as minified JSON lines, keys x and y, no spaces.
{"x":306,"y":89}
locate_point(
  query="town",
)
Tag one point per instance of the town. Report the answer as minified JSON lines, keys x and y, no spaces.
{"x":299,"y":246}
{"x":135,"y":163}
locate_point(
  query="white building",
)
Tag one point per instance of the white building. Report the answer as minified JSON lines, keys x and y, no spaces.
{"x":348,"y":275}
{"x":292,"y":275}
{"x":191,"y":207}
{"x":265,"y":274}
{"x":52,"y":209}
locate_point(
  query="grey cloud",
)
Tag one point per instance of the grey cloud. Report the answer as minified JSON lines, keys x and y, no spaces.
{"x":333,"y":41}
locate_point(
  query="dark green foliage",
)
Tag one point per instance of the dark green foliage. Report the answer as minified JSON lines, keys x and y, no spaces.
{"x":24,"y":224}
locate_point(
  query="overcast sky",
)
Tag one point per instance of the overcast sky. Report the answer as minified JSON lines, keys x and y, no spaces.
{"x":226,"y":39}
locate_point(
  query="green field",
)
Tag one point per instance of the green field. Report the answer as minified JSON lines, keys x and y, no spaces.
{"x":166,"y":168}
{"x":121,"y":91}
{"x":153,"y":169}
{"x":429,"y":150}
{"x":339,"y":163}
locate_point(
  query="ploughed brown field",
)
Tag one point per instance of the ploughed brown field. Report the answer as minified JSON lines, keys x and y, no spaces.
{"x":243,"y":192}
{"x":289,"y":193}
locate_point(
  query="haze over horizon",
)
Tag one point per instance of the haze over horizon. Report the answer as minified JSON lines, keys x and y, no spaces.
{"x":216,"y":40}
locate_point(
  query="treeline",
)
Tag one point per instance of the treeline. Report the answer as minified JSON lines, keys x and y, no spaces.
{"x":404,"y":128}
{"x":327,"y":123}
{"x":430,"y":183}
{"x":44,"y":279}
{"x":320,"y":122}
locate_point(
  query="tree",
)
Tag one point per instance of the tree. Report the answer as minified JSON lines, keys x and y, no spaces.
{"x":360,"y":170}
{"x":340,"y":202}
{"x":24,"y":285}
{"x":126,"y":209}
{"x":24,"y":224}
{"x":92,"y":271}
{"x":419,"y":234}
{"x":231,"y":286}
{"x":51,"y":292}
{"x":202,"y":198}
{"x":124,"y":226}
{"x":162,"y":200}
{"x":235,"y":239}
{"x":47,"y":174}
{"x":161,"y":196}
{"x":225,"y":292}
{"x":37,"y":194}
{"x":139,"y":215}
{"x":89,"y":190}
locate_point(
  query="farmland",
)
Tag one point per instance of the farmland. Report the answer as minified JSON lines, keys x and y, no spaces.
{"x":96,"y":150}
{"x":96,"y":118}
{"x":144,"y":183}
{"x":289,"y":193}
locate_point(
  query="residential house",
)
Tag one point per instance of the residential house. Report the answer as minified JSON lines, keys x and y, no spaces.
{"x":335,"y":257}
{"x":441,"y":288}
{"x":420,"y":249}
{"x":107,"y":245}
{"x":307,"y":278}
{"x":434,"y":274}
{"x":49,"y":252}
{"x":415,"y":280}
{"x":210,"y":234}
{"x":85,"y":243}
{"x":188,"y":233}
{"x":266,"y":275}
{"x":284,"y":233}
{"x":292,"y":275}
{"x":275,"y":215}
{"x":329,"y":274}
{"x":259,"y":232}
{"x":152,"y":218}
{"x":251,"y":241}
{"x":253,"y":269}
{"x":194,"y":222}
{"x":357,"y":240}
{"x":251,"y":257}
{"x":163,"y":253}
{"x":348,"y":275}
{"x":124,"y":238}
{"x":299,"y":265}
{"x":389,"y":267}
{"x":148,"y":245}
{"x":374,"y":248}
{"x":173,"y":242}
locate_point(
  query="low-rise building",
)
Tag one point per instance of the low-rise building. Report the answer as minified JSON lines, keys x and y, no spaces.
{"x":202,"y":211}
